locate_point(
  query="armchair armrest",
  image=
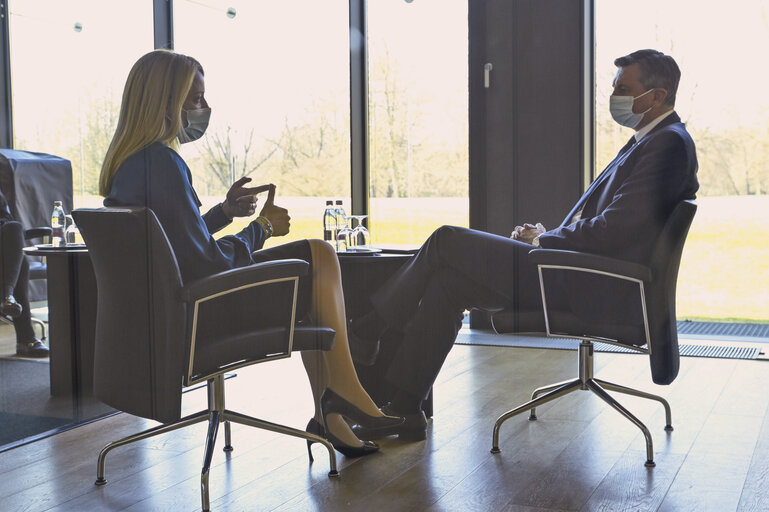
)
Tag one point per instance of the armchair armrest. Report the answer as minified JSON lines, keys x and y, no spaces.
{"x":38,"y":232}
{"x":242,"y":276}
{"x":587,"y":261}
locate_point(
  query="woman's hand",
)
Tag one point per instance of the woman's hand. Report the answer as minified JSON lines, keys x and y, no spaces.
{"x":241,"y":201}
{"x":278,"y":217}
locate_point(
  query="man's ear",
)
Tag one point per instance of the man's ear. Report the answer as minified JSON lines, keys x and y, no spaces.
{"x":660,"y":95}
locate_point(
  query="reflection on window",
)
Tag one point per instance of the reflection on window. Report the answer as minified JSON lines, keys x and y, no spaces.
{"x":418,"y":100}
{"x":69,"y":62}
{"x":277,"y":81}
{"x":725,"y":268}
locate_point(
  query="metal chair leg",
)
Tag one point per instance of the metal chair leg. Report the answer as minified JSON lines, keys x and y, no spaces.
{"x":160,"y":429}
{"x":635,"y":392}
{"x":606,"y":397}
{"x":565,"y":388}
{"x":213,"y":428}
{"x":227,"y":437}
{"x":40,"y":324}
{"x":236,"y":417}
{"x":541,"y":390}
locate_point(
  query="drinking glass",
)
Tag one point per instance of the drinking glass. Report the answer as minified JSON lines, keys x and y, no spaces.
{"x":360,"y":235}
{"x":344,"y":236}
{"x":72,"y":234}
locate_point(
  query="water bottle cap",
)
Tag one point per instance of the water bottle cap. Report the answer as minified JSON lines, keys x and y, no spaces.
{"x":57,"y":203}
{"x":338,"y":201}
{"x":329,"y":201}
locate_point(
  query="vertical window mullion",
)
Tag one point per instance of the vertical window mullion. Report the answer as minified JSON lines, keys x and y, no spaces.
{"x":6,"y":117}
{"x":359,"y":157}
{"x":163,"y":21}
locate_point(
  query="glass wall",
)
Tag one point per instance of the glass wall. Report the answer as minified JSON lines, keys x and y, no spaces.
{"x":725,"y":269}
{"x":277,"y":81}
{"x":418,"y":119}
{"x":69,"y":62}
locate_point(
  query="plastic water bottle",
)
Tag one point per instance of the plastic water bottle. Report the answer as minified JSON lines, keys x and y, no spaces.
{"x":58,"y":225}
{"x":341,"y":222}
{"x":329,"y":222}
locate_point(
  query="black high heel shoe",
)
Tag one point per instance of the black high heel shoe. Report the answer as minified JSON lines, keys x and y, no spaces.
{"x":314,"y":427}
{"x":331,"y":402}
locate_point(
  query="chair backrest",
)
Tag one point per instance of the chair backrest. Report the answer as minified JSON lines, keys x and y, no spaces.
{"x":661,"y":295}
{"x":579,"y":305}
{"x":140,"y":326}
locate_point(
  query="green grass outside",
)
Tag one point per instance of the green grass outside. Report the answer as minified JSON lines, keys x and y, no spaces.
{"x":724,"y":273}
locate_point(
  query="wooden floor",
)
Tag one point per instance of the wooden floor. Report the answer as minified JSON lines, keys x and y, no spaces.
{"x":579,"y":455}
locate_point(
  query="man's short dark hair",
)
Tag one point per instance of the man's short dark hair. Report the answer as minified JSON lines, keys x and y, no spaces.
{"x":657,"y":70}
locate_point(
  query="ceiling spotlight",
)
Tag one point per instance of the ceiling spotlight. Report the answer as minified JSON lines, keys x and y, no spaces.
{"x":78,"y":27}
{"x":231,"y":12}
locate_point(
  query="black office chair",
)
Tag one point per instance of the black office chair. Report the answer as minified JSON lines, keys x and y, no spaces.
{"x":155,"y":334}
{"x":37,"y":269}
{"x":650,"y":327}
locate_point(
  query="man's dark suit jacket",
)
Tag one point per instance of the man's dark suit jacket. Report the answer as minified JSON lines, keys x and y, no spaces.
{"x":626,"y":207}
{"x":623,"y":213}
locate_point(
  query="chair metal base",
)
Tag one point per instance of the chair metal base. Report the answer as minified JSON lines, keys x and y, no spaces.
{"x":40,"y":324}
{"x":35,"y":321}
{"x":587,"y":382}
{"x":215,"y":414}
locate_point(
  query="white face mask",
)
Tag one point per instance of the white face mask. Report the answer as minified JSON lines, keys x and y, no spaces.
{"x":621,"y":108}
{"x":197,"y":122}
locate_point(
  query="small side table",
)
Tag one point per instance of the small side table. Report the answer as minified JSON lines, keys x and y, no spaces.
{"x":71,"y":318}
{"x":362,"y":275}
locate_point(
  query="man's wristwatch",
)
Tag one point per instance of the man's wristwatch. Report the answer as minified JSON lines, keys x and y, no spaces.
{"x":266,"y":226}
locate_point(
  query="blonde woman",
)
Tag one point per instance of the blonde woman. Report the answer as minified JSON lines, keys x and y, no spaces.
{"x":164,"y":105}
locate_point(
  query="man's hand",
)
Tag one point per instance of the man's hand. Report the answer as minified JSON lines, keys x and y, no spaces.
{"x":527,"y":233}
{"x":277,"y":216}
{"x":241,"y":201}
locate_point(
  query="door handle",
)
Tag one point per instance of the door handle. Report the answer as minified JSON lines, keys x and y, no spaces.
{"x":487,"y":74}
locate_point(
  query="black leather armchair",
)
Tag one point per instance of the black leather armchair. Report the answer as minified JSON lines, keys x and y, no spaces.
{"x":639,"y":314}
{"x":155,"y":334}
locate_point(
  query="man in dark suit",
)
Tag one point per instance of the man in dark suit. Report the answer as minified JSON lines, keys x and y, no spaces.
{"x":14,"y":276}
{"x":620,"y":215}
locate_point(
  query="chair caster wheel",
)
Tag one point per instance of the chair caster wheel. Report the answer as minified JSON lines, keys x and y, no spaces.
{"x":100,"y":481}
{"x":333,"y":474}
{"x":649,"y":464}
{"x":668,"y":428}
{"x":495,"y":449}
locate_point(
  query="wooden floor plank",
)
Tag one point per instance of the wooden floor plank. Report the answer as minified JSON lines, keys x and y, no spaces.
{"x":579,"y":454}
{"x":754,"y":497}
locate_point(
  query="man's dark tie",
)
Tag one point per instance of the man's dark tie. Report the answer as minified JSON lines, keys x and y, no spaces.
{"x":628,"y":145}
{"x":584,"y":204}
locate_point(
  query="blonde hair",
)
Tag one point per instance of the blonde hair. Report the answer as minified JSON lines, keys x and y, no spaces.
{"x":154,"y":93}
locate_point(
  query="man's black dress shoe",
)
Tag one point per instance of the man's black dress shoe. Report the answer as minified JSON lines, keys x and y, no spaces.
{"x":33,"y":348}
{"x":412,"y":429}
{"x":9,"y":307}
{"x":363,"y":352}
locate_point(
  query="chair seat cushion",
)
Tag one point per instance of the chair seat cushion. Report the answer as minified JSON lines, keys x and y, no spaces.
{"x":216,"y":356}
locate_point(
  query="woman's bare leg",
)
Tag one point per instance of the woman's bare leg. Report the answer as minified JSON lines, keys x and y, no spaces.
{"x":333,"y":368}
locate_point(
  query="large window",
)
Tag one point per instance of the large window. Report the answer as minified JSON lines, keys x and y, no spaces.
{"x":418,"y":100}
{"x":69,"y":62}
{"x":725,"y":268}
{"x":277,"y":81}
